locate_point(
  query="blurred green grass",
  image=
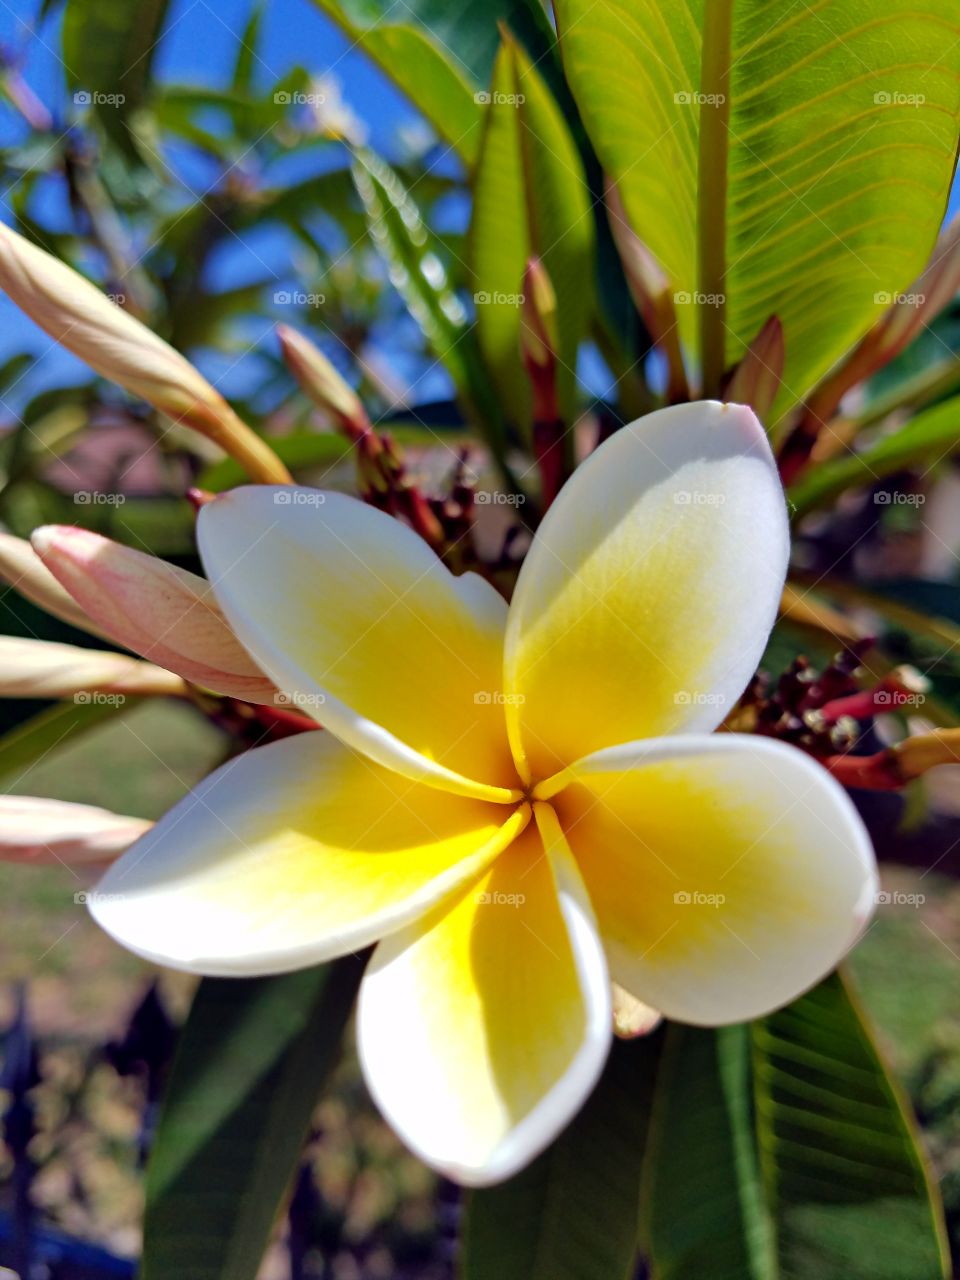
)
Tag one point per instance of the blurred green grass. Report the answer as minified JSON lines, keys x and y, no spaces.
{"x":138,"y":763}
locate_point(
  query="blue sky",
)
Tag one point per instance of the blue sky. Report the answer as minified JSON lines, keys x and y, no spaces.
{"x":199,"y":47}
{"x":200,"y":44}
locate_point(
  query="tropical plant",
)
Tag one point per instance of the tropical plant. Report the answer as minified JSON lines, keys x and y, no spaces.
{"x":725,"y":201}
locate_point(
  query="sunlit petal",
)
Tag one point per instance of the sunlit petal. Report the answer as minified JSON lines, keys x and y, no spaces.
{"x":728,"y":873}
{"x":361,"y":625}
{"x":292,"y":854}
{"x":482,"y":1030}
{"x":648,"y":594}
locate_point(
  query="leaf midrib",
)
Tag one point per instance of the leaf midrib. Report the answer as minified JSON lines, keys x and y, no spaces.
{"x":713,"y":167}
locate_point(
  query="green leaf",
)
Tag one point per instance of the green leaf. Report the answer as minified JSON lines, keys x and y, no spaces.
{"x":108,"y":50}
{"x":931,"y":436}
{"x":420,"y":66}
{"x":442,"y":53}
{"x":247,"y":51}
{"x":250,"y":1066}
{"x":415,"y":261}
{"x":31,"y":742}
{"x":811,"y":180}
{"x":703,"y":1207}
{"x":573,"y":1214}
{"x":844,"y":1173}
{"x":303,"y":449}
{"x":530,"y":198}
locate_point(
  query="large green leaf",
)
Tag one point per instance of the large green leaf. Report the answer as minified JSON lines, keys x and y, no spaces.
{"x":844,"y":1175}
{"x":530,"y":199}
{"x":108,"y":52}
{"x":250,"y":1065}
{"x":793,"y":160}
{"x":932,"y":435}
{"x":573,"y":1214}
{"x":703,"y":1205}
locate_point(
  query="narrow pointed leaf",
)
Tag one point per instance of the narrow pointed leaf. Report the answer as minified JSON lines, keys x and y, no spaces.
{"x":416,"y":60}
{"x":440,"y":55}
{"x":928,"y":438}
{"x":108,"y":52}
{"x":417,"y":271}
{"x":530,"y":200}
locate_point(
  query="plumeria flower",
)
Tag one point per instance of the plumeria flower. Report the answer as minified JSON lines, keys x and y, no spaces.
{"x":518,"y":805}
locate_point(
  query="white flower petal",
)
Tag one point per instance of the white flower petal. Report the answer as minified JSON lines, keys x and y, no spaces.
{"x":648,"y":594}
{"x":293,"y":854}
{"x":483,"y":1029}
{"x":362,"y":626}
{"x":728,"y":873}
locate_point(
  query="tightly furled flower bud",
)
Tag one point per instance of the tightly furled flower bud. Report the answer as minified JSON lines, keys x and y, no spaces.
{"x":45,"y":669}
{"x":81,"y":318}
{"x":162,"y":612}
{"x":319,"y":380}
{"x":43,"y":831}
{"x":22,"y":569}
